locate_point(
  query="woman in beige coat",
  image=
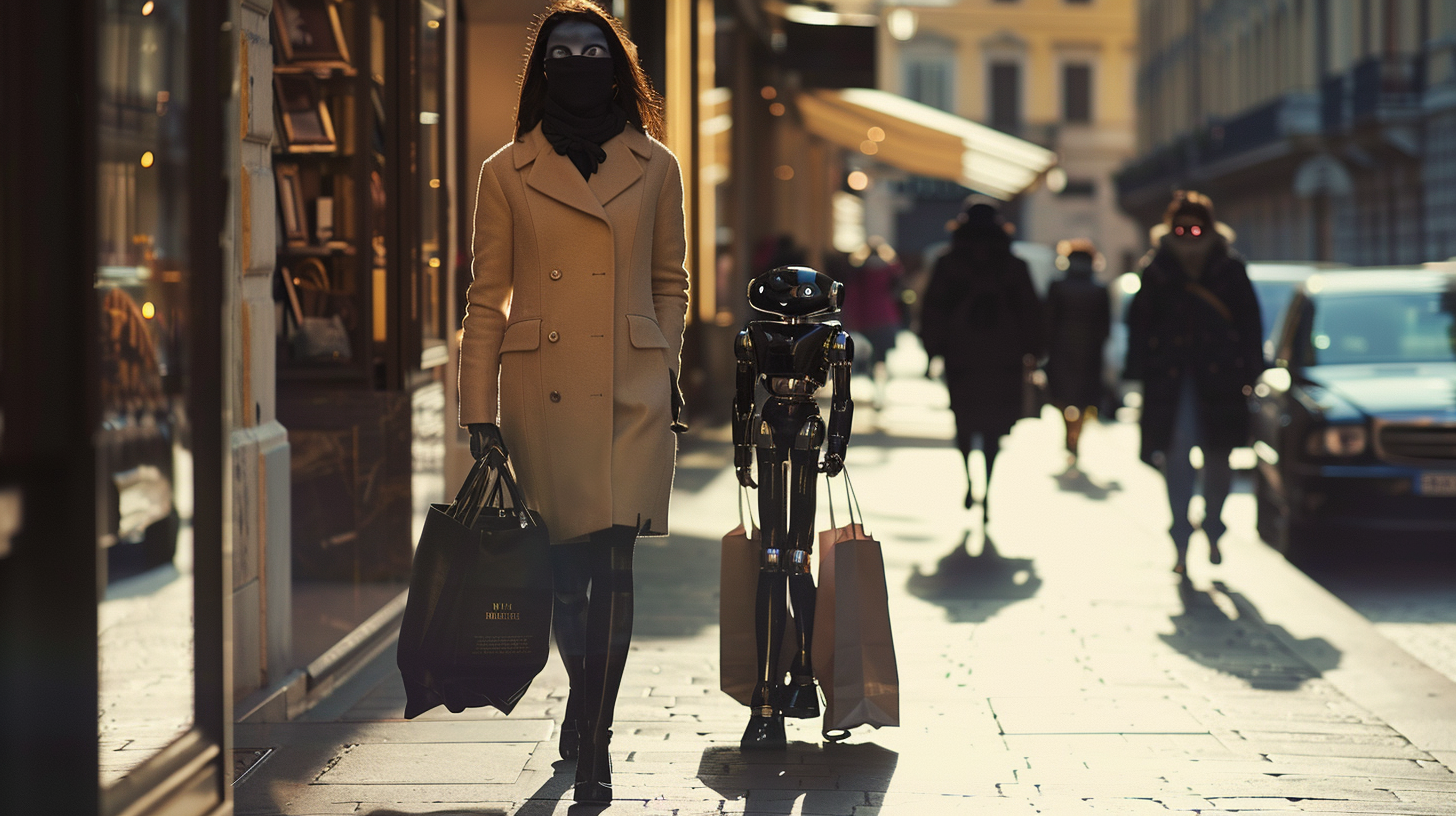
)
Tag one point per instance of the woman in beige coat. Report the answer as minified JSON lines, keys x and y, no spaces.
{"x":574,"y":329}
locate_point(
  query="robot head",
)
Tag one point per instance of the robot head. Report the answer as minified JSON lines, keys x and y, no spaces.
{"x":795,"y":291}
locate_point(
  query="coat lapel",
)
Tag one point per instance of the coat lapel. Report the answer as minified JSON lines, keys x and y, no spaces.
{"x":555,"y":175}
{"x":621,"y":169}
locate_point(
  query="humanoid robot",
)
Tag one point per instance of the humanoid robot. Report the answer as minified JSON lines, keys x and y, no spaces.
{"x":794,"y":358}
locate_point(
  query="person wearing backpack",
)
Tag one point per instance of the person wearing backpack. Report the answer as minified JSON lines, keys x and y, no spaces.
{"x":1194,"y":340}
{"x":983,"y":317}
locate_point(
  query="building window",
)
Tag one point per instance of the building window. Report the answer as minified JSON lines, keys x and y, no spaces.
{"x":928,"y":82}
{"x":1005,"y":96}
{"x":929,"y":72}
{"x":1079,"y":188}
{"x":1077,"y":93}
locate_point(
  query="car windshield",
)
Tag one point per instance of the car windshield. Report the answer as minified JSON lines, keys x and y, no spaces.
{"x":1405,"y":327}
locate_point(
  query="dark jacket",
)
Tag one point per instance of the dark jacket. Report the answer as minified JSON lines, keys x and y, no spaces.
{"x":983,"y":316}
{"x":1207,"y":329}
{"x":1079,"y":318}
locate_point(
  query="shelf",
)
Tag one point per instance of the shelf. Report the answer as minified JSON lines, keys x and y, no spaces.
{"x":312,"y":251}
{"x":323,"y":71}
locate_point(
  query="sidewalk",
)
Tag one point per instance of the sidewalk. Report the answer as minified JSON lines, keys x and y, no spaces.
{"x":1055,"y":666}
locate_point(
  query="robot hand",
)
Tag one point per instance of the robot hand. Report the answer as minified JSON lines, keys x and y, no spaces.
{"x":484,"y":436}
{"x":743,"y":462}
{"x":832,"y":465}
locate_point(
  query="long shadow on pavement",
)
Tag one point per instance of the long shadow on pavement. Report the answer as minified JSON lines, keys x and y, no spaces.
{"x":677,"y":586}
{"x":547,"y":798}
{"x":829,"y":777}
{"x":1243,"y":645}
{"x":1073,"y":480}
{"x":972,"y":588}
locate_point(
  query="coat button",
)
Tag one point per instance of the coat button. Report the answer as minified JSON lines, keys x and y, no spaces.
{"x":553,"y":337}
{"x":556,"y":396}
{"x":556,"y":274}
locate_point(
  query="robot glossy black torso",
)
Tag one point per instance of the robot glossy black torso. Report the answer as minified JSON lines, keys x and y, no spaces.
{"x":792,"y":359}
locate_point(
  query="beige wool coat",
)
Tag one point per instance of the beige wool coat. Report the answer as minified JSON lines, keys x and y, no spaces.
{"x":574,"y":319}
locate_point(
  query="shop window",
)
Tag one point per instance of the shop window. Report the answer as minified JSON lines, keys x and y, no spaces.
{"x":1076,"y":93}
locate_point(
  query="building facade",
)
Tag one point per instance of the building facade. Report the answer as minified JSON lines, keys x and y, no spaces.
{"x":1323,"y":130}
{"x":1055,"y":72}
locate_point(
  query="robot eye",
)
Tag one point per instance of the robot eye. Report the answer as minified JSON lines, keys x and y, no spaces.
{"x":807,"y":291}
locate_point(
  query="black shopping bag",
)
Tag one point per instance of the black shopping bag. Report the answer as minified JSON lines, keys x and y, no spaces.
{"x":477,"y":623}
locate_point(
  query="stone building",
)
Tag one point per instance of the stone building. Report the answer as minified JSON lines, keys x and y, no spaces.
{"x":1323,"y":130}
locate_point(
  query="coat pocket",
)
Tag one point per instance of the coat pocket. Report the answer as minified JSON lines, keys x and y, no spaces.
{"x":522,"y":336}
{"x":645,"y":333}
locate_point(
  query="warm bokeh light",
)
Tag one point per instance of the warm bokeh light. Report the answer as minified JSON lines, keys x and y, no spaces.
{"x":435,"y":183}
{"x":768,"y":92}
{"x":868,"y":147}
{"x":1056,"y":179}
{"x":858,"y":180}
{"x":433,"y":24}
{"x":434,"y":263}
{"x":901,"y":24}
{"x":876,"y":134}
{"x":147,"y":8}
{"x":777,"y":109}
{"x":784,"y":172}
{"x":149,"y":310}
{"x":148,"y":159}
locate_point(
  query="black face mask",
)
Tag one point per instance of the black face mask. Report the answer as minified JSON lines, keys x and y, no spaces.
{"x":581,"y":85}
{"x":578,"y":115}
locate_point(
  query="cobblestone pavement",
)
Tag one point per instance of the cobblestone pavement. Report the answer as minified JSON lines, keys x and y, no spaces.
{"x":1051,"y":664}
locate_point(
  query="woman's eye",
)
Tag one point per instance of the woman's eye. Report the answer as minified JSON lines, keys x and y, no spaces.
{"x":558,"y":51}
{"x":595,"y":51}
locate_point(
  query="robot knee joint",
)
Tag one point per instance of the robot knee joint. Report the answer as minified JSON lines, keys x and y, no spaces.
{"x":773,"y":559}
{"x":797,"y":562}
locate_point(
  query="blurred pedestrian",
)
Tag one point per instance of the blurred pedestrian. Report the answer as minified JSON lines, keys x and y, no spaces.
{"x":1079,"y":318}
{"x":872,"y":305}
{"x":982,"y":315}
{"x":1194,"y":339}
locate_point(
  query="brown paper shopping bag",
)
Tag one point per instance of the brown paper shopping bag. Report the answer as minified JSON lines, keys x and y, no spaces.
{"x":854,"y":651}
{"x":738,"y":591}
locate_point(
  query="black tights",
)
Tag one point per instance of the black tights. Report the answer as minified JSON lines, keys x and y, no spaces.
{"x":592,"y":620}
{"x":990,"y":446}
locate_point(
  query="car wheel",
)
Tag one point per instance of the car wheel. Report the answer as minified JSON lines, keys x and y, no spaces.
{"x":159,"y":546}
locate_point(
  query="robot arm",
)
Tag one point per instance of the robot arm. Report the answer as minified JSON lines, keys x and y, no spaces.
{"x":841,"y":406}
{"x":743,"y":409}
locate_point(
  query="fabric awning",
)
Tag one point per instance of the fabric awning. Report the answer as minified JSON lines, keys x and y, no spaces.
{"x":925,"y":140}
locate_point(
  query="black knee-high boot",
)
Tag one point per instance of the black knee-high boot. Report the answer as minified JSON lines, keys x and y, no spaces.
{"x":766,"y":720}
{"x":608,"y":637}
{"x":571,"y":574}
{"x":800,"y":698}
{"x":990,"y":446}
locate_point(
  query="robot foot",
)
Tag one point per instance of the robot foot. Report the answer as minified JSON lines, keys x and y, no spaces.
{"x":801,"y":700}
{"x":764,"y":731}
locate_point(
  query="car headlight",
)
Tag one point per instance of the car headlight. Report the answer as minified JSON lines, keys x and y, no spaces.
{"x":1337,"y":440}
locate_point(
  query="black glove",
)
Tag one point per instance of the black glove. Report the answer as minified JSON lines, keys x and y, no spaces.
{"x":675,"y":394}
{"x":483,"y":437}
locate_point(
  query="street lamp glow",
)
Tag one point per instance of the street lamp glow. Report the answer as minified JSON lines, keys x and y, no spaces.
{"x":148,"y":159}
{"x":858,"y":180}
{"x":147,"y":8}
{"x":902,"y":24}
{"x":149,"y":310}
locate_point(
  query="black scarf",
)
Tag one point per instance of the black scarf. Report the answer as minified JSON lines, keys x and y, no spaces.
{"x":579,"y":116}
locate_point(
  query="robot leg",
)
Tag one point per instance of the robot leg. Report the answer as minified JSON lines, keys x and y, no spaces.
{"x":766,"y":720}
{"x":801,"y":699}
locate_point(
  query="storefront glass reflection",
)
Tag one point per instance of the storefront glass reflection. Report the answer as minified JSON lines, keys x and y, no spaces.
{"x":144,"y":479}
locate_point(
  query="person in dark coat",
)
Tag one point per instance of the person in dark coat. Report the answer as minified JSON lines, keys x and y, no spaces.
{"x":1194,"y":338}
{"x":982,"y":315}
{"x":1079,"y":318}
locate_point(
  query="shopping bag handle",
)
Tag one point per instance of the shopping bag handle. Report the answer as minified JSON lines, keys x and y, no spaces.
{"x":483,"y":487}
{"x":745,"y":499}
{"x":851,"y":500}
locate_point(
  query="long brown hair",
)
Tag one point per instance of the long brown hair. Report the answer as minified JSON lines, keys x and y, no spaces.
{"x":634,"y":90}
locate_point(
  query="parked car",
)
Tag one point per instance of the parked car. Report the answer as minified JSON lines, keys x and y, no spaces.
{"x":1274,"y":283}
{"x":1355,"y":426}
